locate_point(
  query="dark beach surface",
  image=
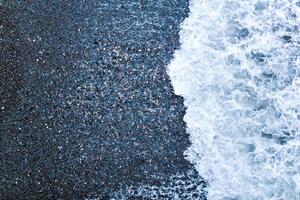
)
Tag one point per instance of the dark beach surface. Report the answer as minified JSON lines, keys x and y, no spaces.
{"x":87,"y":108}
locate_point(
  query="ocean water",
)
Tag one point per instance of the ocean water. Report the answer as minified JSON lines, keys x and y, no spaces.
{"x":238,"y":71}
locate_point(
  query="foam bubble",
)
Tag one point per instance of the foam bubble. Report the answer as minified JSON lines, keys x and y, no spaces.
{"x":238,"y":71}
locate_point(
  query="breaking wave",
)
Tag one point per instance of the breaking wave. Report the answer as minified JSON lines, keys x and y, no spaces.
{"x":238,"y":71}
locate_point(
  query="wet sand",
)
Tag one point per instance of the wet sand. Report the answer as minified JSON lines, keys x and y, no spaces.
{"x":87,"y":108}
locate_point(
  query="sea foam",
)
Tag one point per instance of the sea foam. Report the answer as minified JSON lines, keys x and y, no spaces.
{"x":238,"y":71}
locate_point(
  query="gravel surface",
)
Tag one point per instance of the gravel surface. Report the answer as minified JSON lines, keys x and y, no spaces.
{"x":86,"y":106}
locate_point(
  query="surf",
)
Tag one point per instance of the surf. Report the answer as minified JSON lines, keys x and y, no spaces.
{"x":238,"y":70}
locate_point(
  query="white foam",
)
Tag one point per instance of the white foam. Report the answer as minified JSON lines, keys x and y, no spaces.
{"x":238,"y":71}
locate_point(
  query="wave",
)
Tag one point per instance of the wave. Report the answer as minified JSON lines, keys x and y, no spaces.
{"x":238,"y":71}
